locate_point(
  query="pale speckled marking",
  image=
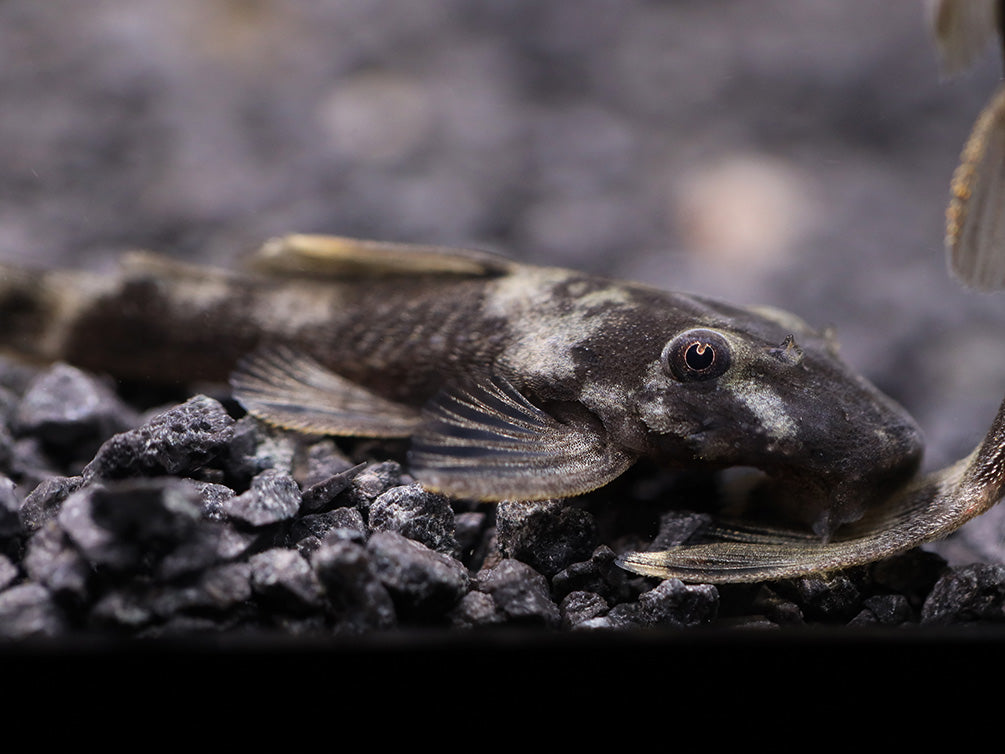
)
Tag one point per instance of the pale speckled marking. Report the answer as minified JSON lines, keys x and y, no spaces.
{"x":656,"y":414}
{"x":548,"y":335}
{"x":768,"y":407}
{"x":297,"y":308}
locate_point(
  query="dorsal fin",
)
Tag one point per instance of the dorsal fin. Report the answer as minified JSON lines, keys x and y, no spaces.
{"x":338,"y":257}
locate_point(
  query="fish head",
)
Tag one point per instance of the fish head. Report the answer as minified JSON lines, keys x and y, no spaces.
{"x":760,"y":388}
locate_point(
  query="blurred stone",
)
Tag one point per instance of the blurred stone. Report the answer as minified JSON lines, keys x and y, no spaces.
{"x":285,"y":579}
{"x":469,"y":530}
{"x":520,"y":593}
{"x":132,"y":524}
{"x":8,"y":572}
{"x":745,"y":209}
{"x":10,"y":505}
{"x":423,"y":583}
{"x":676,"y":527}
{"x":357,"y":599}
{"x":52,"y":560}
{"x":776,"y":608}
{"x":256,"y":446}
{"x":28,"y":611}
{"x":68,"y":408}
{"x":476,"y":609}
{"x":226,"y":585}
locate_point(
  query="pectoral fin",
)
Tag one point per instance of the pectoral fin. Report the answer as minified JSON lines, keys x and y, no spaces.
{"x":486,"y":441}
{"x":290,"y":389}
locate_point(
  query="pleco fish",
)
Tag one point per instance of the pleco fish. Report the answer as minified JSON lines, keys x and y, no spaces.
{"x":518,"y":382}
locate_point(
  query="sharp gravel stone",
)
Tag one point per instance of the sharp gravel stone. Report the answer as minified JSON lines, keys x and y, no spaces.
{"x":579,"y":607}
{"x":549,"y":535}
{"x":372,"y":482}
{"x":884,"y":610}
{"x":273,"y":497}
{"x":322,"y":461}
{"x":967,"y":595}
{"x":833,"y":599}
{"x":44,"y":502}
{"x":417,"y":514}
{"x":671,"y":604}
{"x":178,"y":441}
{"x":322,"y":493}
{"x":309,"y":532}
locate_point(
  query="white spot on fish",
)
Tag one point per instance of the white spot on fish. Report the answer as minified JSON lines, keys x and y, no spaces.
{"x":549,"y":328}
{"x":769,"y":408}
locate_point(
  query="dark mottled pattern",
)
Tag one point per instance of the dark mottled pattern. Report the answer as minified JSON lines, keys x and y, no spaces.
{"x":569,"y":133}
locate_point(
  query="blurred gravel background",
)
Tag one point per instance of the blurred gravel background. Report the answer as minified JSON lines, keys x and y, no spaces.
{"x":762,"y":151}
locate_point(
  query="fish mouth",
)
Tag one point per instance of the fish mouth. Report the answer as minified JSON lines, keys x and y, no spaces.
{"x":922,"y":510}
{"x":825,"y":488}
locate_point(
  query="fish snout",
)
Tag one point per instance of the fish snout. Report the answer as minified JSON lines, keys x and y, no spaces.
{"x":867,"y":472}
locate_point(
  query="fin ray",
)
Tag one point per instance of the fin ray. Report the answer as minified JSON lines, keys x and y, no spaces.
{"x":486,"y":441}
{"x":290,"y":389}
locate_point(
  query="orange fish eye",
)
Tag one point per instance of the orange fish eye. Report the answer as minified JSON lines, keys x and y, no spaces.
{"x":695,"y":355}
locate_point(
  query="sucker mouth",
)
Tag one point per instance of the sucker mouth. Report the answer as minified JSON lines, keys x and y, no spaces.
{"x":924,"y":509}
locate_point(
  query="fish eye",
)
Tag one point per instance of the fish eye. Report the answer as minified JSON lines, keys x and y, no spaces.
{"x":695,"y":355}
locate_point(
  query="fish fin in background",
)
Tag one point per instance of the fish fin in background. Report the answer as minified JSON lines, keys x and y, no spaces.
{"x":486,"y":441}
{"x":290,"y":389}
{"x":319,"y":256}
{"x":962,"y":29}
{"x":975,"y":217}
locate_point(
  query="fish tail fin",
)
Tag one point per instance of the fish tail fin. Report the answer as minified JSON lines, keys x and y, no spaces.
{"x":36,"y":307}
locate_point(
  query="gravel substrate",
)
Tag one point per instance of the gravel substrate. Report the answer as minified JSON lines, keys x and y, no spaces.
{"x":188,"y":521}
{"x":759,"y":151}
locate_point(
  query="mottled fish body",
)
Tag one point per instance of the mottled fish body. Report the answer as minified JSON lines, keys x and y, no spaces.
{"x":512,"y":381}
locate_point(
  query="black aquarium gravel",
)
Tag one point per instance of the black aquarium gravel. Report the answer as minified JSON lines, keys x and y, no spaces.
{"x":761,"y":151}
{"x":188,"y":521}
